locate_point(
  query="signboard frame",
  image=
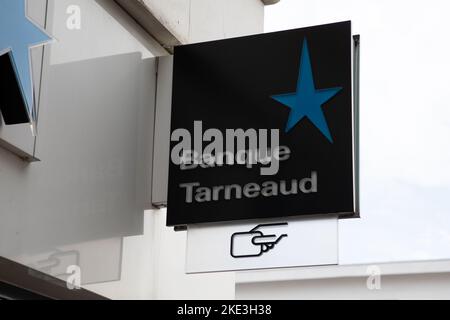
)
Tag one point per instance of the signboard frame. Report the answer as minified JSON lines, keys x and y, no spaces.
{"x":355,"y":49}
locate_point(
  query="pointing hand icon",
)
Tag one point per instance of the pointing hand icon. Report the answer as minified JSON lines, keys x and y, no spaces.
{"x":255,"y":243}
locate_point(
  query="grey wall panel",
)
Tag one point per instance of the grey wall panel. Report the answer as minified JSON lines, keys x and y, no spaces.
{"x":96,"y":117}
{"x":95,"y":140}
{"x":162,"y":132}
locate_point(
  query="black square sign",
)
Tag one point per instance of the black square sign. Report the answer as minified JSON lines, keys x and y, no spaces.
{"x":12,"y":104}
{"x":262,"y":127}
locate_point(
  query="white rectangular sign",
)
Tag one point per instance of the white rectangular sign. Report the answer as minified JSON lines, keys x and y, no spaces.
{"x":292,"y":242}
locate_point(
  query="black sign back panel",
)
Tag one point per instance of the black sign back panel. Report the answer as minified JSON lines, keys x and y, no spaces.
{"x":12,"y":105}
{"x":230,"y":84}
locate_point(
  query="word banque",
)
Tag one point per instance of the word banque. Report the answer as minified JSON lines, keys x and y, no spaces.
{"x":249,"y":147}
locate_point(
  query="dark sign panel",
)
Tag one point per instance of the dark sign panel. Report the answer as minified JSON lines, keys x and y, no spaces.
{"x":262,"y":127}
{"x":12,"y":104}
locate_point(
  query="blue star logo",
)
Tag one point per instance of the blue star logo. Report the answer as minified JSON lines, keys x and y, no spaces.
{"x":307,"y":101}
{"x":17,"y":35}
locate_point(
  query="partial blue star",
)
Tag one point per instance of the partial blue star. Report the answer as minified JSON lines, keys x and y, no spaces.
{"x":307,"y":101}
{"x":17,"y":35}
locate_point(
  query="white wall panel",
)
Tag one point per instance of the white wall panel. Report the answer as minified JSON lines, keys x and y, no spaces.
{"x":105,"y":30}
{"x":94,"y":141}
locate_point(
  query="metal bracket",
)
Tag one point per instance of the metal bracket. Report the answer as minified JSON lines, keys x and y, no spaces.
{"x":22,"y":155}
{"x":356,"y":117}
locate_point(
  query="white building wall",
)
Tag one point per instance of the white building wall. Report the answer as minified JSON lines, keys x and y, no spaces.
{"x":52,"y":208}
{"x":202,"y":20}
{"x":409,"y":280}
{"x":94,"y":141}
{"x":191,"y":21}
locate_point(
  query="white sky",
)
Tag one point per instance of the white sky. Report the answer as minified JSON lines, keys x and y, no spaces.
{"x":405,"y":123}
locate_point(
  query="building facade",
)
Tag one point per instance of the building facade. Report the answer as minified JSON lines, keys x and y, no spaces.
{"x":85,"y":188}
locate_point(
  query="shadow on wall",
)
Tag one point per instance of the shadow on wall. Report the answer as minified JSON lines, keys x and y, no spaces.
{"x":91,"y":186}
